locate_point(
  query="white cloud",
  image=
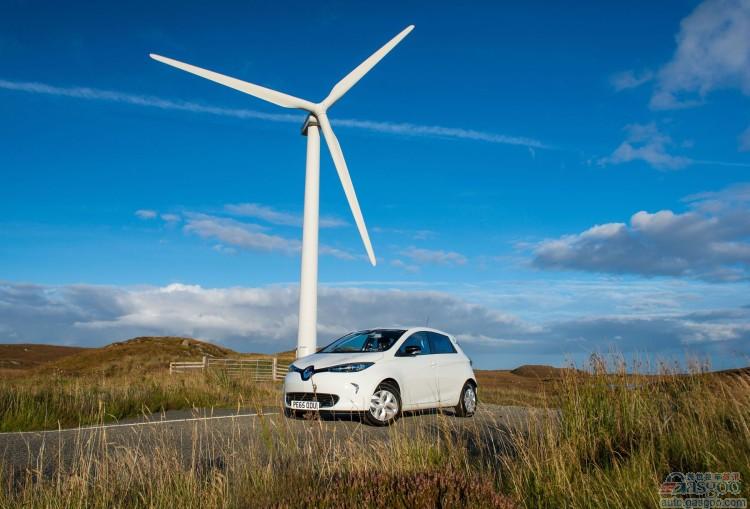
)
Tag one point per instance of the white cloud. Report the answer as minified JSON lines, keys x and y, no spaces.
{"x":403,"y":128}
{"x":698,"y":332}
{"x":278,"y":217}
{"x":145,"y":214}
{"x":244,"y":235}
{"x":170,"y":218}
{"x":644,"y":142}
{"x":245,"y":317}
{"x":630,"y":79}
{"x":221,"y":248}
{"x":265,"y":319}
{"x":341,"y":254}
{"x":248,"y":236}
{"x":408,"y":267}
{"x":713,"y":52}
{"x":434,"y":256}
{"x":414,"y":234}
{"x":711,"y":241}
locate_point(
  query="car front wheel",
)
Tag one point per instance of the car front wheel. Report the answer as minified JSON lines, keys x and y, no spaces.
{"x":467,"y":405}
{"x":385,"y":405}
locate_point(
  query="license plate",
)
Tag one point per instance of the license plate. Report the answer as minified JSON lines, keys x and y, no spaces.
{"x":306,"y":405}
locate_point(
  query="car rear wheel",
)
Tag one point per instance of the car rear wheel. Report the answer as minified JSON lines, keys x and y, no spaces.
{"x":385,"y":405}
{"x":467,"y":405}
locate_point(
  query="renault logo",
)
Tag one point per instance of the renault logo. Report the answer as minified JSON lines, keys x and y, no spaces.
{"x":307,"y":373}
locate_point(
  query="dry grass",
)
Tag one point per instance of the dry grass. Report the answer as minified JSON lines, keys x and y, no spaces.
{"x":272,"y":465}
{"x":49,"y":402}
{"x":68,"y":387}
{"x":26,"y":356}
{"x":619,"y":434}
{"x":610,"y":442}
{"x":136,"y":356}
{"x":519,"y":387}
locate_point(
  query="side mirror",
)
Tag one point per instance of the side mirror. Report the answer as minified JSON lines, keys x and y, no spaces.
{"x":413,"y":350}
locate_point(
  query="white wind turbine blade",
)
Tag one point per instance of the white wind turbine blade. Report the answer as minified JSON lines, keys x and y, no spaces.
{"x":272,"y":96}
{"x":346,"y":182}
{"x":353,"y":77}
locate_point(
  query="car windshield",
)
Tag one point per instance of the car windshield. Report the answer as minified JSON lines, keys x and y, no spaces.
{"x":378,"y":340}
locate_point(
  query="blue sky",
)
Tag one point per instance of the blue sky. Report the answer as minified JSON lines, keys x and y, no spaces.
{"x":542,"y":180}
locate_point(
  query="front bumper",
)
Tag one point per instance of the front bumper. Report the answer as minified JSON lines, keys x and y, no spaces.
{"x":352,"y":393}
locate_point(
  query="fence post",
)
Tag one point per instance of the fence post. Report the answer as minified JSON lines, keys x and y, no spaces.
{"x":205,"y":363}
{"x":273,"y":369}
{"x":170,"y":368}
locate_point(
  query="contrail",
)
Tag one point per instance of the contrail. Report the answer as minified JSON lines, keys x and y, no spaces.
{"x":142,"y":100}
{"x":439,"y":131}
{"x":404,"y":129}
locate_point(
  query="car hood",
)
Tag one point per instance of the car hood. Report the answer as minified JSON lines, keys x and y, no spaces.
{"x":326,"y":360}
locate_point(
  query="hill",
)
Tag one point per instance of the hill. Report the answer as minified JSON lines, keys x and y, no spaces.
{"x":737,"y":372}
{"x":137,"y":355}
{"x":27,"y":356}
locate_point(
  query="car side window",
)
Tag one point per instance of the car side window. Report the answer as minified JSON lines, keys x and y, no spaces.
{"x":440,"y":343}
{"x":419,"y":339}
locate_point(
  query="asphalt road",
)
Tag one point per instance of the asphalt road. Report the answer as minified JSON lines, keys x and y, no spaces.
{"x":204,"y":434}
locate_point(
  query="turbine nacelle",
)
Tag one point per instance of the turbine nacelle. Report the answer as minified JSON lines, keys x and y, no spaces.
{"x":318,"y":110}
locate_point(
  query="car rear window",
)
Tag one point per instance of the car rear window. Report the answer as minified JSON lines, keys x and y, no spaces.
{"x":419,"y":339}
{"x":440,"y":343}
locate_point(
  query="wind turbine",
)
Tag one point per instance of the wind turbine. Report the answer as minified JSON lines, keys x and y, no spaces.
{"x":317,"y":119}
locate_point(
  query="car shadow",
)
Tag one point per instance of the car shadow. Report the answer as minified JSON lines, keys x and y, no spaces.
{"x":359,"y":416}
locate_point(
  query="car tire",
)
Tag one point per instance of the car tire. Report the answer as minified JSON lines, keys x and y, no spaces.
{"x":385,"y":405}
{"x":467,"y":403}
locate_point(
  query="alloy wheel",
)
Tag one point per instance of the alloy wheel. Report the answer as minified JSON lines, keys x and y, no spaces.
{"x":383,"y":405}
{"x":470,"y":400}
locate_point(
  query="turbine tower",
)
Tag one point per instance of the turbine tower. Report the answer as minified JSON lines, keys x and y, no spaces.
{"x":317,"y":120}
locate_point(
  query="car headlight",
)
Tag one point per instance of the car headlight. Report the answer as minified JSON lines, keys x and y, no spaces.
{"x":349,"y":368}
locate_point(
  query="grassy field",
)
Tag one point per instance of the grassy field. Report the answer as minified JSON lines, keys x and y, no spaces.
{"x":51,"y":399}
{"x":50,"y":387}
{"x":612,"y":441}
{"x":620,"y":434}
{"x":121,"y":380}
{"x":273,"y":467}
{"x":50,"y":402}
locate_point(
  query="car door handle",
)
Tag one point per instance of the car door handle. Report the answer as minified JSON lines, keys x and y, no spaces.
{"x":433,"y":364}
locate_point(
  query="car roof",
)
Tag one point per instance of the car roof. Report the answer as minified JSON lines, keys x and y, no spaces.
{"x":408,"y":329}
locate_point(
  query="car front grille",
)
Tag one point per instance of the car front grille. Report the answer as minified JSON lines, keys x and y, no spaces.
{"x":326,"y":400}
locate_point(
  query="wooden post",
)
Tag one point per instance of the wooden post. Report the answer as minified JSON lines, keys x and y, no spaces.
{"x":205,"y":362}
{"x":273,"y":369}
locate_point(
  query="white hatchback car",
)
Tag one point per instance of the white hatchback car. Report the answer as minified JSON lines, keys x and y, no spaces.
{"x":382,"y":372}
